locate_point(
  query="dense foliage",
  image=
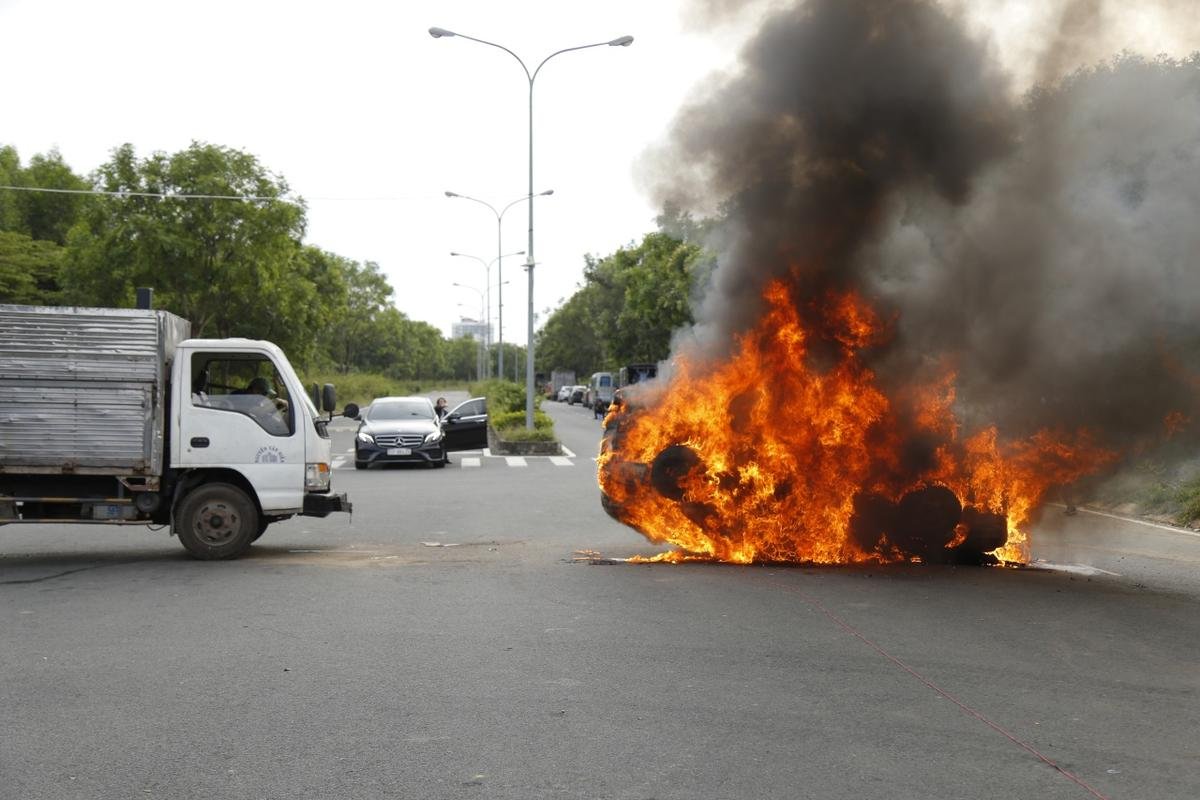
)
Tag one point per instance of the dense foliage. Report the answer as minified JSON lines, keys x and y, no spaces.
{"x":629,"y":306}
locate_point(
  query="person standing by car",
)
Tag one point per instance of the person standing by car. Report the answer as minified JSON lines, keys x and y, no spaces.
{"x":440,"y":407}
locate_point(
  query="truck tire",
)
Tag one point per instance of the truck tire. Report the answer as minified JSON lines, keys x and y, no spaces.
{"x":217,"y":521}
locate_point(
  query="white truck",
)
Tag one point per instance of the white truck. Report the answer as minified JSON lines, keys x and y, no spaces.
{"x":116,"y":416}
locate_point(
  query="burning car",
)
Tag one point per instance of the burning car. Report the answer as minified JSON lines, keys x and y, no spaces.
{"x":855,"y":475}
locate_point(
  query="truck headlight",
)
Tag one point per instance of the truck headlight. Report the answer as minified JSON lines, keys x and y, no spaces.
{"x":430,"y":438}
{"x":363,"y":436}
{"x":316,"y":477}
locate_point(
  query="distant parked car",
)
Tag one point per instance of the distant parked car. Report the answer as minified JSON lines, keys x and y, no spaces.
{"x":564,"y":394}
{"x":465,"y":427}
{"x":577,"y":395}
{"x":399,"y":429}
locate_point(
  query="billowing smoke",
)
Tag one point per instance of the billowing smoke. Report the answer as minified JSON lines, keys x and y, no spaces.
{"x":1044,"y":245}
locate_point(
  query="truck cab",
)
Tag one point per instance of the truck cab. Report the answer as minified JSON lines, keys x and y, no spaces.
{"x":241,"y":407}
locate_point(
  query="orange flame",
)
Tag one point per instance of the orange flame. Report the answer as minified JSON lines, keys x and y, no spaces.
{"x":761,"y":458}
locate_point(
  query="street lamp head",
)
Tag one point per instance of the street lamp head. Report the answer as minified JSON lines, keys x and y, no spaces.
{"x":438,"y":33}
{"x":623,"y":41}
{"x":455,"y":254}
{"x":545,"y":193}
{"x":451,"y":194}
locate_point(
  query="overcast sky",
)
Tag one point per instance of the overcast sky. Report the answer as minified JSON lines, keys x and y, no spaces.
{"x":371,"y":120}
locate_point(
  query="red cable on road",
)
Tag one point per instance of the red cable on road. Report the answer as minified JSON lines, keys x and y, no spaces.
{"x":846,"y":626}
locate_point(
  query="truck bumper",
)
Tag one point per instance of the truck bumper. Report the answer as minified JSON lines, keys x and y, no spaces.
{"x":322,"y":505}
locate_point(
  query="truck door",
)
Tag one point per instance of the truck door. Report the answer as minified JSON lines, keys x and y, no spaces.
{"x":236,"y":412}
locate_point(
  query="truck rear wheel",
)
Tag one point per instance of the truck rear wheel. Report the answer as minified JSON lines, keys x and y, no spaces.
{"x":217,"y":521}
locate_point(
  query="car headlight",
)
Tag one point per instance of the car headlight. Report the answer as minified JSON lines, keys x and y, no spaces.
{"x":433,"y":436}
{"x":316,"y":477}
{"x":363,"y":436}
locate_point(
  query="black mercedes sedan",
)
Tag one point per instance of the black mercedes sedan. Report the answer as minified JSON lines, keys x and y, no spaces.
{"x":399,"y":429}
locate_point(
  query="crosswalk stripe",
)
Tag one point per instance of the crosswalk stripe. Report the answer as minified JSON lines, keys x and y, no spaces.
{"x":470,"y":462}
{"x":516,"y":461}
{"x":560,"y":461}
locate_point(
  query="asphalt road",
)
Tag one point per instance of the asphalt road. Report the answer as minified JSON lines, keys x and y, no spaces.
{"x":452,"y":640}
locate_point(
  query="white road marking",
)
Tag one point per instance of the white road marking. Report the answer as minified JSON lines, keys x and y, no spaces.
{"x":1078,"y":569}
{"x":338,"y":462}
{"x":516,"y":461}
{"x":1159,"y":525}
{"x":567,"y":452}
{"x":471,"y":462}
{"x":561,"y":461}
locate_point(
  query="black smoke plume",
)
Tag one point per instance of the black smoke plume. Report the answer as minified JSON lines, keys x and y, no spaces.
{"x":1045,"y":245}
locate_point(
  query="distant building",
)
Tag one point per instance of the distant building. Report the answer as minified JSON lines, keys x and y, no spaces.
{"x":469,"y":327}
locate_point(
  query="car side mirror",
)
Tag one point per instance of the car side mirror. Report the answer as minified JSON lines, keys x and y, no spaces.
{"x":351,"y":411}
{"x":450,"y":418}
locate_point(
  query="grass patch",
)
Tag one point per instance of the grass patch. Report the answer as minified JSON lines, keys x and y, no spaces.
{"x":506,"y":412}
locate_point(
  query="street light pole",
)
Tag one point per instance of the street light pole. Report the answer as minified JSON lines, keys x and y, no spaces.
{"x":487,"y":273}
{"x":482,"y":360}
{"x":499,"y":249}
{"x":622,"y":41}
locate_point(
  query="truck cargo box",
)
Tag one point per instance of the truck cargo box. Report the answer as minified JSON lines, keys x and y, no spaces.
{"x":82,"y":390}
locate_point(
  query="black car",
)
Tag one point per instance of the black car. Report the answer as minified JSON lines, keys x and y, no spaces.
{"x":465,"y":427}
{"x":398,"y":430}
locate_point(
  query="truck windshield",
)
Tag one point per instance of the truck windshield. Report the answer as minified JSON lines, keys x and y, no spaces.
{"x":294,"y":380}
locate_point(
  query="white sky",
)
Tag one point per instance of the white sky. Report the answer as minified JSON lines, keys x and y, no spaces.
{"x":370,"y":119}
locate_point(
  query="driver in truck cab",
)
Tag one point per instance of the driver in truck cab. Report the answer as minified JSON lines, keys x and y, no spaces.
{"x":269,"y":409}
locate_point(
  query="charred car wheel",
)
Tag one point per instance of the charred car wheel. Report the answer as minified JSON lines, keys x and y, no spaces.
{"x":217,"y":521}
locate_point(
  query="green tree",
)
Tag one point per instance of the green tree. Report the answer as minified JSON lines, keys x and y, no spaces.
{"x":28,"y":270}
{"x":34,"y":225}
{"x":226,"y":265}
{"x":658,"y":289}
{"x":461,"y":358}
{"x":363,"y":297}
{"x":569,"y":339}
{"x":11,"y":215}
{"x":48,"y":216}
{"x":631,"y":303}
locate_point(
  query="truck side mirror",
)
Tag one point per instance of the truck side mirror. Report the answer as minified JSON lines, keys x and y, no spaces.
{"x":351,"y":411}
{"x":314,"y":392}
{"x":329,"y":398}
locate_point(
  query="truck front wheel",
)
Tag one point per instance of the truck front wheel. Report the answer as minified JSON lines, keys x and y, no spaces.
{"x":217,"y":521}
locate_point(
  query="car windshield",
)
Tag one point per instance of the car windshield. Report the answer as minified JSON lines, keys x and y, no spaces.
{"x":400,"y":409}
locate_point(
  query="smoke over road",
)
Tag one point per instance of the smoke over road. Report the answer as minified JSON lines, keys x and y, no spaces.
{"x":1041,"y":245}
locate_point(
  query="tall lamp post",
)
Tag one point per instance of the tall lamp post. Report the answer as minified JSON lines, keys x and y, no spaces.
{"x":499,"y":248}
{"x":487,"y":269}
{"x":622,"y":41}
{"x":480,"y":361}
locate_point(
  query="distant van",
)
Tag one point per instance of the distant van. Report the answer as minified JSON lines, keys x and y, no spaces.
{"x":600,"y":391}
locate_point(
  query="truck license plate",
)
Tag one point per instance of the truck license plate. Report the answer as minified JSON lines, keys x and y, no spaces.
{"x":399,"y":451}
